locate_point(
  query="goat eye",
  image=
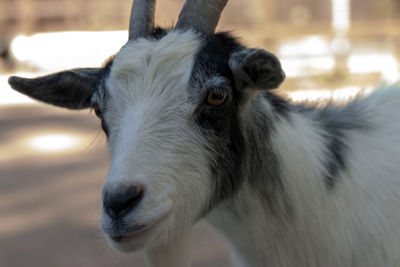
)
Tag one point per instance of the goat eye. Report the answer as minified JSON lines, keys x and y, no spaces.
{"x":97,"y":111}
{"x":217,"y":97}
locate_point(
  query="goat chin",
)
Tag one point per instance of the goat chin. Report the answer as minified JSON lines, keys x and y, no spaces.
{"x":175,"y":253}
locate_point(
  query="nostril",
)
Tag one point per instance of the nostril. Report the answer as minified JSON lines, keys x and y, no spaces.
{"x":121,"y":200}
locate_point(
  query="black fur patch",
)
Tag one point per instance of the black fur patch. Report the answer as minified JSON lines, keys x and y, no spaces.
{"x":219,"y":124}
{"x":335,"y":122}
{"x":280,"y":106}
{"x":236,"y":155}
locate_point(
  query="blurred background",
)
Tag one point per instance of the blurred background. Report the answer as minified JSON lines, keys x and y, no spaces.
{"x":53,"y":161}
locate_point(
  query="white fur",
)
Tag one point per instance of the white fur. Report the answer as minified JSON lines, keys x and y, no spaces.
{"x":154,"y":143}
{"x":357,"y":224}
{"x":150,"y":136}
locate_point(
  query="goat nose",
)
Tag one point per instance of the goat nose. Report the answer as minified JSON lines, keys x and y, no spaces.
{"x":121,"y":200}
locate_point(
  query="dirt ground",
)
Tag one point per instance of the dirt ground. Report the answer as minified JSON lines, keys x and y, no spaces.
{"x":49,"y":200}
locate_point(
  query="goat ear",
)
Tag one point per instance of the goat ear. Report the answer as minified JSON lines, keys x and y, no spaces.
{"x":69,"y":89}
{"x":256,"y":68}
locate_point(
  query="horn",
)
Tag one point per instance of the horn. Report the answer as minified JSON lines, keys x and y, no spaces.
{"x":142,"y":19}
{"x":201,"y":15}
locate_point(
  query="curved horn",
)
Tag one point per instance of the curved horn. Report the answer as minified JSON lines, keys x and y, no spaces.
{"x":201,"y":15}
{"x":142,"y":18}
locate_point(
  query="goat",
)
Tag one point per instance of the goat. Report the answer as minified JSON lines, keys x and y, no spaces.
{"x":195,"y":130}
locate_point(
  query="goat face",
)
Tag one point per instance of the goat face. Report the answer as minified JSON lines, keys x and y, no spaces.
{"x":171,"y":106}
{"x":154,"y":143}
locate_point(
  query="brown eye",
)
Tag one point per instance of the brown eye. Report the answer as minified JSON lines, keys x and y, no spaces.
{"x":97,"y":111}
{"x":216,"y":97}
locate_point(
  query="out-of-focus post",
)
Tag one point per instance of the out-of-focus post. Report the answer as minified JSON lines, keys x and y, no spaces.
{"x":341,"y":26}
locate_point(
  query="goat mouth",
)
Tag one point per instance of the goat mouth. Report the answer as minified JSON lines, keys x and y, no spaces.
{"x":141,"y":231}
{"x":130,"y":237}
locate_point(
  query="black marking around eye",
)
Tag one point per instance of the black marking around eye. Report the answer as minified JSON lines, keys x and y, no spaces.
{"x":220,"y":125}
{"x":223,"y":129}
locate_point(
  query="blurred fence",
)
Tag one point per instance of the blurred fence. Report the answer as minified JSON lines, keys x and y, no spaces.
{"x":59,"y":15}
{"x":371,"y":27}
{"x":272,"y":16}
